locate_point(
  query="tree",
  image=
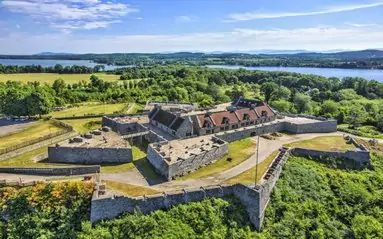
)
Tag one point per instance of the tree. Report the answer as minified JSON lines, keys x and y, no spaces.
{"x":281,"y":105}
{"x":268,"y":88}
{"x":282,"y":93}
{"x":356,"y":116}
{"x":59,"y":86}
{"x":302,"y":103}
{"x":329,"y":109}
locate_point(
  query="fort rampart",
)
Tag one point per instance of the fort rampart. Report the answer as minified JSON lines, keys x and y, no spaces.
{"x":89,"y":155}
{"x":64,"y":171}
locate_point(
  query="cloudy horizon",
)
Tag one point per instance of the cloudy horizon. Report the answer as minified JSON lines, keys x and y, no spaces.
{"x":98,"y":26}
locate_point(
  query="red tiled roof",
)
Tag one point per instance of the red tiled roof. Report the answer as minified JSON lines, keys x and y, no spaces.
{"x":264,"y":107}
{"x":241,"y":113}
{"x":202,"y":118}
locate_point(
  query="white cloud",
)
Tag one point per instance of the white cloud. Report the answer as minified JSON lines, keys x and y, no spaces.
{"x":64,"y":12}
{"x":315,"y":38}
{"x":185,"y":19}
{"x":247,"y":16}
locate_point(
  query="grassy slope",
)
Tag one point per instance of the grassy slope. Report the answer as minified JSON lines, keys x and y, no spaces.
{"x":129,"y":189}
{"x":329,"y":143}
{"x":363,"y":131}
{"x":41,"y":128}
{"x":248,"y":176}
{"x":90,"y":108}
{"x":239,"y":151}
{"x":313,"y":200}
{"x":49,"y":78}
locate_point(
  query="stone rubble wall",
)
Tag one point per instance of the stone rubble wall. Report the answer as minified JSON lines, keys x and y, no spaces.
{"x":65,"y":171}
{"x":91,"y":155}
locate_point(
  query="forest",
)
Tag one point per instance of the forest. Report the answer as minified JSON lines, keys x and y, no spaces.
{"x":353,"y":101}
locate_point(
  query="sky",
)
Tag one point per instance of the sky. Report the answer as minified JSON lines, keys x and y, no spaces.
{"x":108,"y":26}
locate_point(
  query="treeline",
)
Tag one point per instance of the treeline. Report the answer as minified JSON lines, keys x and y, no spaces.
{"x":366,"y":59}
{"x":355,"y":101}
{"x":12,"y":69}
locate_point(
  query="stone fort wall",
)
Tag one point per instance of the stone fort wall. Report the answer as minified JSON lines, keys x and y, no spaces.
{"x":91,"y":155}
{"x":359,"y":159}
{"x":184,"y":166}
{"x":111,"y":207}
{"x":325,"y":126}
{"x":66,"y":171}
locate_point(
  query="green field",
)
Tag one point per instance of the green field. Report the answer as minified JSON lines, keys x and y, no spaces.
{"x":248,"y":177}
{"x":95,"y":109}
{"x":39,"y":129}
{"x":49,"y":78}
{"x":87,"y":124}
{"x":239,"y":151}
{"x":327,"y":143}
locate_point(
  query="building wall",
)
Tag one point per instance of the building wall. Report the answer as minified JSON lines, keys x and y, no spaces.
{"x":185,"y":129}
{"x":84,"y":155}
{"x":123,"y":128}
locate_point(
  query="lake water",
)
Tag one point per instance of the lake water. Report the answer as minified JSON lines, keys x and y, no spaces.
{"x":49,"y":63}
{"x":326,"y":72}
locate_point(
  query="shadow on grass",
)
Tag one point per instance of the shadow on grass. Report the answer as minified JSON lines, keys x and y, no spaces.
{"x":148,"y":172}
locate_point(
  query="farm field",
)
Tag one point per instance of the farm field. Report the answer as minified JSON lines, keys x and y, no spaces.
{"x":39,"y":129}
{"x":49,"y":78}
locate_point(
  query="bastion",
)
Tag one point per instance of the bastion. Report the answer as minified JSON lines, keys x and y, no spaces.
{"x":96,"y":147}
{"x":178,"y":157}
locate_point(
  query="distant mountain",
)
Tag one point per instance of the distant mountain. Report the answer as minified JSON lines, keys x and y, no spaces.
{"x":364,"y":54}
{"x":53,"y":54}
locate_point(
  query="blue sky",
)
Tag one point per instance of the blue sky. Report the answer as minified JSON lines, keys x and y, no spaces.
{"x":82,"y":26}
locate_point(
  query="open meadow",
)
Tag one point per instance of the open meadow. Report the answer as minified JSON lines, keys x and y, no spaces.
{"x":49,"y":78}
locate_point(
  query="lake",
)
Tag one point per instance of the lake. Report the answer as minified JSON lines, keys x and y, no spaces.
{"x":49,"y":63}
{"x":326,"y":72}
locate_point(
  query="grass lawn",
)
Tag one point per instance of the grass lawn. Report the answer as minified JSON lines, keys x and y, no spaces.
{"x":129,"y":189}
{"x":49,"y":78}
{"x":84,"y":125}
{"x":41,"y":128}
{"x":239,"y":151}
{"x":367,"y":131}
{"x":326,"y":143}
{"x":138,"y":154}
{"x":248,"y":176}
{"x":93,"y":108}
{"x":29,"y":160}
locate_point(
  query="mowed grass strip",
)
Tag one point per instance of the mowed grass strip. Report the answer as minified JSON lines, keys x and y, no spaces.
{"x":89,"y":109}
{"x":248,"y":177}
{"x":129,"y":189}
{"x":84,"y":125}
{"x":39,"y":129}
{"x":138,"y":154}
{"x":325,"y":143}
{"x":239,"y":151}
{"x":49,"y":78}
{"x":31,"y":160}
